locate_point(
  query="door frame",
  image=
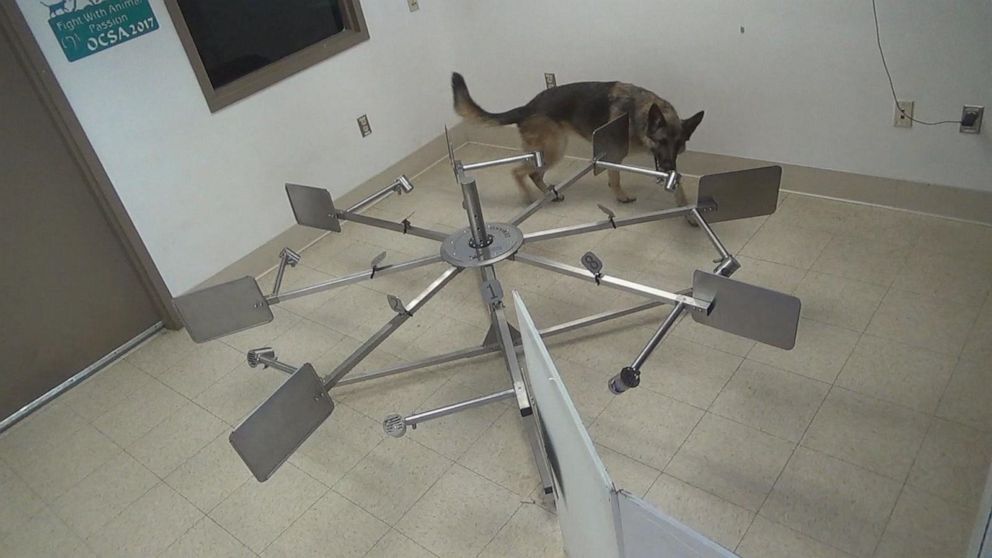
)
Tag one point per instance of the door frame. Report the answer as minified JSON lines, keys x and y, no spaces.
{"x":47,"y":86}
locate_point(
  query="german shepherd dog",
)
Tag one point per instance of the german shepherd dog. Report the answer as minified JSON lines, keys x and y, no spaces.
{"x":581,"y":108}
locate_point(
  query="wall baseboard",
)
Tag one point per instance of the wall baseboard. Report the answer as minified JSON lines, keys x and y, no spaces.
{"x":265,"y":258}
{"x":932,"y":199}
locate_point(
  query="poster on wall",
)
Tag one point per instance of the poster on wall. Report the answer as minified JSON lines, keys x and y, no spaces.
{"x":85,"y":27}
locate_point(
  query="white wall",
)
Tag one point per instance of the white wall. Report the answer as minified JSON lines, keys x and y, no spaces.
{"x":803,"y":84}
{"x":206,"y":189}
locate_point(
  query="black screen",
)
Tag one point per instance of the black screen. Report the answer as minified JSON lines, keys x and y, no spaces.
{"x":237,"y":37}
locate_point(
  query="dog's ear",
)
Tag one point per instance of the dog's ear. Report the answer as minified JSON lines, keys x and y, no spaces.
{"x":656,"y":120}
{"x":689,"y":124}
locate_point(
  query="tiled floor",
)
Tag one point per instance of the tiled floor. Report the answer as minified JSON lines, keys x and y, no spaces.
{"x":871,"y":438}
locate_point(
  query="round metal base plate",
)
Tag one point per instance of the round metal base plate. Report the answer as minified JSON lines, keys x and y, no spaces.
{"x":456,"y":250}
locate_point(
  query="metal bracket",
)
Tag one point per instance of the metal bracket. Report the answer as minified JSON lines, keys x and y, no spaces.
{"x":397,"y":305}
{"x":255,"y":356}
{"x":609,"y":214}
{"x":375,"y":263}
{"x":594,"y":265}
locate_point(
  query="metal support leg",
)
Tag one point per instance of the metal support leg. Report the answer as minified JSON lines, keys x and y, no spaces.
{"x":286,"y":257}
{"x":727,"y":264}
{"x":395,"y":425}
{"x":368,"y":346}
{"x":630,"y":376}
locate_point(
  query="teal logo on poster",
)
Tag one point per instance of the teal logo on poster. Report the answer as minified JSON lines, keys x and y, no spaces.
{"x":98,"y":25}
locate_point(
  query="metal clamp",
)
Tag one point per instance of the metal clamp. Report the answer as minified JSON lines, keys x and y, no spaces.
{"x":595,"y":266}
{"x":375,"y":263}
{"x":609,"y":214}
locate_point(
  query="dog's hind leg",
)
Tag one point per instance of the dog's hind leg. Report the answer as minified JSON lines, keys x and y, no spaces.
{"x":622,"y":197}
{"x":544,"y":135}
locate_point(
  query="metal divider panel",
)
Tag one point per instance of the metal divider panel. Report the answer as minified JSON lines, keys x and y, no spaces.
{"x":223,"y":309}
{"x":747,"y":310}
{"x":648,"y":533}
{"x":313,"y":207}
{"x":584,"y":493}
{"x":280,"y":425}
{"x":740,"y":194}
{"x":611,"y":141}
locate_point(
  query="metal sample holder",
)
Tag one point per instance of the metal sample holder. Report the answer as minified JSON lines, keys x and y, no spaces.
{"x":284,"y":421}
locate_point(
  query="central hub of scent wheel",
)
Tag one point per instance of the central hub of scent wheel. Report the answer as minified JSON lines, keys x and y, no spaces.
{"x":458,"y":249}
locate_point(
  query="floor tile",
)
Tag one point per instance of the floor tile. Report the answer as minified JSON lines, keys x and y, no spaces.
{"x":820,"y":352}
{"x":452,"y":435}
{"x":44,"y":535}
{"x":870,"y":260}
{"x":963,"y":279}
{"x":20,"y":502}
{"x":148,"y":526}
{"x":688,"y":372}
{"x":337,"y":445}
{"x":881,"y":437}
{"x":503,"y":454}
{"x":256,"y":513}
{"x":161,"y":352}
{"x":394,"y":544}
{"x":966,"y":399}
{"x":393,"y":394}
{"x":767,"y":539}
{"x":142,"y":411}
{"x":211,"y":475}
{"x":102,"y":495}
{"x":333,"y":525}
{"x":771,"y":400}
{"x":815,"y":213}
{"x":628,"y":474}
{"x":732,"y":461}
{"x":392,"y":477}
{"x":53,"y":424}
{"x":106,"y":390}
{"x":713,"y":517}
{"x":263,"y":335}
{"x":832,"y":501}
{"x":51,"y":470}
{"x":979,"y":344}
{"x":715,"y":339}
{"x":206,"y":539}
{"x":930,"y":323}
{"x":586,"y":387}
{"x":645,"y":426}
{"x":176,"y":439}
{"x":200,"y":368}
{"x":305,"y":341}
{"x":448,"y":523}
{"x":779,"y":277}
{"x":837,"y":301}
{"x":953,"y":462}
{"x":923,"y":526}
{"x":532,"y":532}
{"x":237,"y":394}
{"x":897,"y":373}
{"x":787,"y":244}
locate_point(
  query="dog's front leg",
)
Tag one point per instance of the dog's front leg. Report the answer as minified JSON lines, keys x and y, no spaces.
{"x":622,"y":197}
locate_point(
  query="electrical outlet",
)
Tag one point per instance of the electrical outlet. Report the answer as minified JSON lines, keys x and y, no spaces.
{"x":414,"y":5}
{"x":549,"y":81}
{"x":363,"y":125}
{"x":906,"y":110}
{"x":971,"y":119}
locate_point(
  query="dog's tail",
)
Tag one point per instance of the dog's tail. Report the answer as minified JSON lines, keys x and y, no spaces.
{"x":467,"y":108}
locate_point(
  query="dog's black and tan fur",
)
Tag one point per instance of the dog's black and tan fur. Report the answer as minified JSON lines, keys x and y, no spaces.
{"x":582,"y":107}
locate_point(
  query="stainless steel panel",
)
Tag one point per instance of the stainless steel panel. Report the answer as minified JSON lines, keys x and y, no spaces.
{"x":754,"y":312}
{"x":739,"y":194}
{"x":281,"y":424}
{"x":313,"y":207}
{"x":223,"y":309}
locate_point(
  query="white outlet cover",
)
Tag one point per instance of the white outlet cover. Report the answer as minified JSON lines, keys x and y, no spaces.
{"x":899,"y":121}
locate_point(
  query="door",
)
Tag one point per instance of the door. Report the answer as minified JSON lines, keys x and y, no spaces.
{"x":69,"y":294}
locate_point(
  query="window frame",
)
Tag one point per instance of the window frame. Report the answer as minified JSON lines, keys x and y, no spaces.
{"x":355,"y":32}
